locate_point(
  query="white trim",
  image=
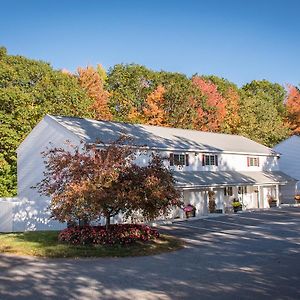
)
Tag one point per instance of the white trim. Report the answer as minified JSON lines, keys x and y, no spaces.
{"x":193,"y":187}
{"x":182,"y":150}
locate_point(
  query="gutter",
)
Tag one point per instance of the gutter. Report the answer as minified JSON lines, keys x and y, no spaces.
{"x":194,"y":150}
{"x":189,"y":187}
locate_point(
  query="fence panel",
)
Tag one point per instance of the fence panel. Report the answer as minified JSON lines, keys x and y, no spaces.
{"x":6,"y":216}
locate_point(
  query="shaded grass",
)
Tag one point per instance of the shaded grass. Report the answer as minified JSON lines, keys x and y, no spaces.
{"x":45,"y":244}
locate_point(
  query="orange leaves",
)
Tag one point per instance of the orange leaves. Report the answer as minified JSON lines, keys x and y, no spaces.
{"x":153,"y":111}
{"x":293,"y":108}
{"x":211,"y":111}
{"x":134,"y":116}
{"x":232,"y":118}
{"x":92,"y":82}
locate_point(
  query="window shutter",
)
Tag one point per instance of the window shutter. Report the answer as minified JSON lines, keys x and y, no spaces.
{"x":216,"y":160}
{"x":171,"y":159}
{"x":187,"y":160}
{"x":248,"y":161}
{"x":258,"y":161}
{"x":203,"y":160}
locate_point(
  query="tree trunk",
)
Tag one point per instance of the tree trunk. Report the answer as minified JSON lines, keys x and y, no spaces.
{"x":107,"y":222}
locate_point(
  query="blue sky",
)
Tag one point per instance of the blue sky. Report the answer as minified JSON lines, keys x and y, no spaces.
{"x":240,"y":40}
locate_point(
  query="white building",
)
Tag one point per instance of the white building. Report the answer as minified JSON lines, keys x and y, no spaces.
{"x":220,"y":165}
{"x":289,"y":163}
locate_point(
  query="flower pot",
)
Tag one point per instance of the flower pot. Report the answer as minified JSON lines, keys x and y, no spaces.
{"x":190,"y":214}
{"x":236,"y":209}
{"x":190,"y":211}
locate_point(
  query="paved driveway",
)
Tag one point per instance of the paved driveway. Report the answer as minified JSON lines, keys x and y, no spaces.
{"x":245,"y":256}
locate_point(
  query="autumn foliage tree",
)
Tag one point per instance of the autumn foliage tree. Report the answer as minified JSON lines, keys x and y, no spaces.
{"x":210,"y":109}
{"x":293,"y":108}
{"x":230,"y":93}
{"x":232,"y":118}
{"x":87,"y":183}
{"x":92,"y":80}
{"x":154,"y":111}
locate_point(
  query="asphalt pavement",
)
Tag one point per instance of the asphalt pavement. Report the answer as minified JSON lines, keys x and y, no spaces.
{"x":253,"y":255}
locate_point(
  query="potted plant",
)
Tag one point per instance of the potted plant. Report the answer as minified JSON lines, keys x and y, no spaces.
{"x":272,"y":201}
{"x":297,"y":198}
{"x":236,"y":205}
{"x":190,"y":211}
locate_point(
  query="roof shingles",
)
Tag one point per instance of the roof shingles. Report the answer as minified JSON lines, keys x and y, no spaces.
{"x":161,"y":137}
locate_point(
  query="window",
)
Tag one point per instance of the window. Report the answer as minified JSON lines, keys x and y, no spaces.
{"x":242,"y":190}
{"x":179,"y":159}
{"x":209,"y":160}
{"x":228,"y":191}
{"x":253,"y":161}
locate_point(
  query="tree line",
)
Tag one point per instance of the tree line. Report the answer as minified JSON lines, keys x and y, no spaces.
{"x":263,"y":111}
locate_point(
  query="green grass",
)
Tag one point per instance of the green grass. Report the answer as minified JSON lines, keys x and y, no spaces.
{"x":45,"y":244}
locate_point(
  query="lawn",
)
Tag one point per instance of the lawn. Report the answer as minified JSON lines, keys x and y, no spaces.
{"x":45,"y":244}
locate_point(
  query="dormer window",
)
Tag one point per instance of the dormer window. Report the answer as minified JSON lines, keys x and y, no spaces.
{"x":179,"y":159}
{"x":209,"y":160}
{"x":253,"y":161}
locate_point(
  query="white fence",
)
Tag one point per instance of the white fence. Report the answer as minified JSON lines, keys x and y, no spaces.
{"x":6,"y":215}
{"x":14,"y":214}
{"x":20,"y":214}
{"x":8,"y":208}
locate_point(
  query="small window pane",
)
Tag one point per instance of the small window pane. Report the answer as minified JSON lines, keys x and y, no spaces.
{"x":181,"y":159}
{"x":207,"y":160}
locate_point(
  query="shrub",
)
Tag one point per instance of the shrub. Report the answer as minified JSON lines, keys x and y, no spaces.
{"x":122,"y":234}
{"x":236,"y":204}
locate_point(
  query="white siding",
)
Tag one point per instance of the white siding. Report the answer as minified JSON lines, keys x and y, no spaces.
{"x":35,"y":215}
{"x":287,"y":193}
{"x":226,"y":162}
{"x":289,"y":161}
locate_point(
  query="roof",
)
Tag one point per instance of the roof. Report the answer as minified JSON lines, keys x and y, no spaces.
{"x":161,"y":138}
{"x":229,"y":178}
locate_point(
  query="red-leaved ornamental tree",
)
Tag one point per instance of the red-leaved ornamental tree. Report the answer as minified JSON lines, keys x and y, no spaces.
{"x":102,"y":180}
